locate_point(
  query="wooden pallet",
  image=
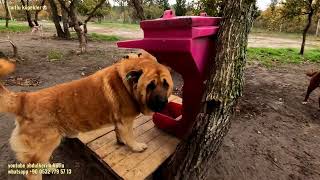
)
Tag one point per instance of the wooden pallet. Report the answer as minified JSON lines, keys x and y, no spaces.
{"x":124,"y":163}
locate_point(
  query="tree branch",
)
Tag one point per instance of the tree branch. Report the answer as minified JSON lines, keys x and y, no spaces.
{"x":63,"y":5}
{"x":15,"y":48}
{"x":94,"y":10}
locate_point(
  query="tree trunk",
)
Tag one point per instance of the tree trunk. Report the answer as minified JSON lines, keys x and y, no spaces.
{"x":36,"y":14}
{"x":80,"y":33}
{"x":28,"y":14}
{"x":56,"y":19}
{"x":65,"y":22}
{"x":305,"y":31}
{"x":318,"y":27}
{"x":122,"y":10}
{"x":76,"y":24}
{"x":139,"y":10}
{"x":7,"y":12}
{"x":195,"y":156}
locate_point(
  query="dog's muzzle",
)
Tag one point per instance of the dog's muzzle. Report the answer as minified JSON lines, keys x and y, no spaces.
{"x":158,"y":103}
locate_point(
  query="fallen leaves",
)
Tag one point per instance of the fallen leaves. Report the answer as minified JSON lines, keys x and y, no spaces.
{"x":22,"y":81}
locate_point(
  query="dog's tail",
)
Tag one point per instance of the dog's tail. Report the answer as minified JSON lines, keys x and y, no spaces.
{"x":311,"y":73}
{"x":9,"y":101}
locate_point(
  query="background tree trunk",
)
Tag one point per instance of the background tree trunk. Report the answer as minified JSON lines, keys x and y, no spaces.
{"x":305,"y":31}
{"x":65,"y":22}
{"x":194,"y":156}
{"x":56,"y":19}
{"x":30,"y":23}
{"x":7,"y":12}
{"x":139,"y":10}
{"x":76,"y":25}
{"x":318,"y":27}
{"x":36,"y":14}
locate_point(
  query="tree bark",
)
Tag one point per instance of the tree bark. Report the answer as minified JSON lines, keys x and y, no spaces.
{"x":76,"y":23}
{"x":305,"y":31}
{"x":56,"y":19}
{"x":318,"y":27}
{"x":65,"y":22}
{"x":74,"y":19}
{"x":195,"y":156}
{"x":139,"y":10}
{"x":36,"y":14}
{"x":30,"y":23}
{"x":7,"y":12}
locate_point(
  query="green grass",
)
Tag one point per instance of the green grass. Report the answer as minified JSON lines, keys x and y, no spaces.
{"x":54,"y":55}
{"x":98,"y":37}
{"x":117,"y":25}
{"x":13,"y":27}
{"x":273,"y":56}
{"x":267,"y":33}
{"x":102,"y":37}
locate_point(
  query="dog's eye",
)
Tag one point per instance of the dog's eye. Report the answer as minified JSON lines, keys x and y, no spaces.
{"x":165,"y":84}
{"x":152,"y":85}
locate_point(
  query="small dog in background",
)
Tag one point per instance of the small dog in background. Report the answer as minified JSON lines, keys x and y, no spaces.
{"x":314,"y":83}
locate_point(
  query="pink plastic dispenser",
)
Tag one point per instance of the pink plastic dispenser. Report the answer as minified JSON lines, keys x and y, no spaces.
{"x":185,"y":44}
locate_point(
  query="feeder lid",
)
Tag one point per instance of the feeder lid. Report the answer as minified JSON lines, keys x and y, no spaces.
{"x":169,"y":20}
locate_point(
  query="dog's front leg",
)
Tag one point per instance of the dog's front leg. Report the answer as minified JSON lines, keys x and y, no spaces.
{"x":124,"y":131}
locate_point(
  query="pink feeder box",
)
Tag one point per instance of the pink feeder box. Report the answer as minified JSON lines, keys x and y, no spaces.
{"x":185,"y":44}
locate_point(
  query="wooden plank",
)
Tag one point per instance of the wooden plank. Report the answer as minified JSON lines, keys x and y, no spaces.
{"x":133,"y":159}
{"x":108,"y":148}
{"x":125,"y":163}
{"x":93,"y":135}
{"x":123,"y":153}
{"x":152,"y":162}
{"x":107,"y":138}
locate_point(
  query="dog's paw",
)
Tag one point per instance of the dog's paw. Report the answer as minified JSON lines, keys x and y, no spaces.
{"x":304,"y":102}
{"x":139,"y":147}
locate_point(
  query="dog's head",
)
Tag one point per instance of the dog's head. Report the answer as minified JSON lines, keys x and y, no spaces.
{"x":149,"y":82}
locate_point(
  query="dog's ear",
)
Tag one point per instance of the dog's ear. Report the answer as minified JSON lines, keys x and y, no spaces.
{"x":130,"y":56}
{"x":144,"y":54}
{"x":132,"y":77}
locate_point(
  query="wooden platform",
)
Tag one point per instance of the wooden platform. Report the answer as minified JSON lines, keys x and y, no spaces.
{"x":124,"y":163}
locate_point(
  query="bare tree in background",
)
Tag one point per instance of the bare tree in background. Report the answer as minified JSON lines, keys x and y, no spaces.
{"x":137,"y":5}
{"x":36,"y":14}
{"x":8,"y":14}
{"x":28,"y":14}
{"x":71,"y":8}
{"x":293,"y":8}
{"x":61,"y":33}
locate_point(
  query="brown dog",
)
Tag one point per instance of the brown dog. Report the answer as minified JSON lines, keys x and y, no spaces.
{"x":114,"y":95}
{"x":314,"y":83}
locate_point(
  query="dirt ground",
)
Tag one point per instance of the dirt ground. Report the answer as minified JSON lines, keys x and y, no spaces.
{"x":273,"y":136}
{"x":255,"y":39}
